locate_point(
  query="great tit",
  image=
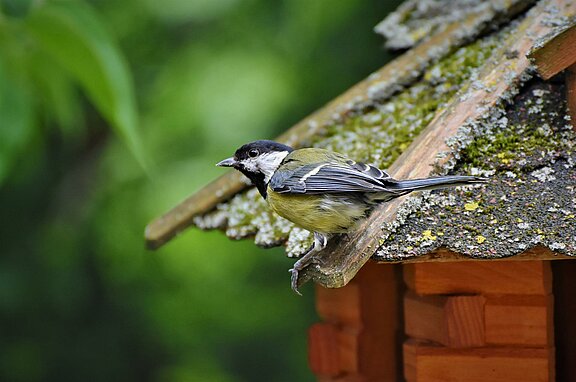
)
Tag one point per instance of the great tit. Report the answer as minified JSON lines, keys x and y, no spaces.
{"x":322,"y":191}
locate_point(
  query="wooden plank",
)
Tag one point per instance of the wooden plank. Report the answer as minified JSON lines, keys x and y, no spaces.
{"x":378,"y":347}
{"x":348,"y":349}
{"x":323,"y":352}
{"x":556,"y":54}
{"x":340,"y":306}
{"x":520,"y":320}
{"x":480,"y":277}
{"x":344,"y":256}
{"x":429,"y":363}
{"x":453,"y":321}
{"x":465,"y":321}
{"x":332,"y":350}
{"x":424,"y":317}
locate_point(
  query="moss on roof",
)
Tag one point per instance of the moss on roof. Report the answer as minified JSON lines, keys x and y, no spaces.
{"x":530,"y":157}
{"x":415,"y":20}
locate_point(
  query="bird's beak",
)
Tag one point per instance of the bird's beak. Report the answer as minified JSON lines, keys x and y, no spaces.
{"x":229,"y":162}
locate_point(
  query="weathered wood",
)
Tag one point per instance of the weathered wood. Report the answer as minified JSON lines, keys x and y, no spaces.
{"x":381,"y":84}
{"x":480,"y":277}
{"x":345,"y":256}
{"x":430,"y":363}
{"x":556,"y":54}
{"x":453,"y":321}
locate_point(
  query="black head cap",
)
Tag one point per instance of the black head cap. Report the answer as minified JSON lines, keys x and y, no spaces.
{"x":253,"y":149}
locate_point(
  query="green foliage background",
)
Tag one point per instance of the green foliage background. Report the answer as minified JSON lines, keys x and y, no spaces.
{"x":111,"y":112}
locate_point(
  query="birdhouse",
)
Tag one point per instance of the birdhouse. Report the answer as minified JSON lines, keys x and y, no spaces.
{"x":448,"y":285}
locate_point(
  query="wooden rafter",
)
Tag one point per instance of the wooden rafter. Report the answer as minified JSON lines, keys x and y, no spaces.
{"x":555,"y":54}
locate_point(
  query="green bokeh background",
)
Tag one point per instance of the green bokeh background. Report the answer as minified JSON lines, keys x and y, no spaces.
{"x":81,"y":175}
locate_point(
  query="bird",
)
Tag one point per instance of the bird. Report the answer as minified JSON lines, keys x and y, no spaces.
{"x":323,"y":191}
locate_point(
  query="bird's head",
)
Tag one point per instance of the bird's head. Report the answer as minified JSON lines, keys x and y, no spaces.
{"x":258,"y":160}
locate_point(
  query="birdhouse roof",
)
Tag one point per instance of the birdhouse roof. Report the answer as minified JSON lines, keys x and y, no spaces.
{"x":463,"y":100}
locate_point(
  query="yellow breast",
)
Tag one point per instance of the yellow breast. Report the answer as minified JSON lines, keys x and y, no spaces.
{"x":331,"y":213}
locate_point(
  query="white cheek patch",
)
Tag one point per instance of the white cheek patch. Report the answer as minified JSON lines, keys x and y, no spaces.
{"x":268,"y":163}
{"x":250,"y":164}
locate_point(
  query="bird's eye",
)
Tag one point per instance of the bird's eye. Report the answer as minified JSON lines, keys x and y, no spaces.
{"x":253,"y":153}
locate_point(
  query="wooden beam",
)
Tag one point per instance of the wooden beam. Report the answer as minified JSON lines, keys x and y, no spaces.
{"x":519,"y":320}
{"x":453,"y":321}
{"x":323,"y":350}
{"x":431,"y":363}
{"x":480,"y":277}
{"x":556,"y":53}
{"x":476,"y":321}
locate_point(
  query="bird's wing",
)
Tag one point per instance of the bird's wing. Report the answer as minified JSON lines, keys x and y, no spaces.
{"x":331,"y":177}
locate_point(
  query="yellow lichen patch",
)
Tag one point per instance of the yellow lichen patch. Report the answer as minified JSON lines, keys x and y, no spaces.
{"x":427,"y":235}
{"x":480,"y":239}
{"x":472,"y":206}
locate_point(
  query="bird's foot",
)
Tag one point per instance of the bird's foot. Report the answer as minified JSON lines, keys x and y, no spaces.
{"x":298,"y":266}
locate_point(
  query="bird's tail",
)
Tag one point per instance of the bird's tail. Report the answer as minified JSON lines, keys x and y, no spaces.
{"x":433,"y":183}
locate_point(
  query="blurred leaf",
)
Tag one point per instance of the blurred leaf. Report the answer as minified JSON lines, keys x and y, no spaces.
{"x":198,"y":10}
{"x":16,"y":120}
{"x":57,"y":92}
{"x":16,"y":8}
{"x":73,"y":34}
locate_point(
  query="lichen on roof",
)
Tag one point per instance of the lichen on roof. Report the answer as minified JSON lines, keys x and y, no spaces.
{"x":530,"y":201}
{"x":377,"y":135}
{"x":415,"y":20}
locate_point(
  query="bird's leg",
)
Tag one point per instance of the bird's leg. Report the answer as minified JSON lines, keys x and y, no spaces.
{"x":320,"y":242}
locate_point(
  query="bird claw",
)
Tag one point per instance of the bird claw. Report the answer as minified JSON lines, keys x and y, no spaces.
{"x":294,"y":281}
{"x":298,"y":266}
